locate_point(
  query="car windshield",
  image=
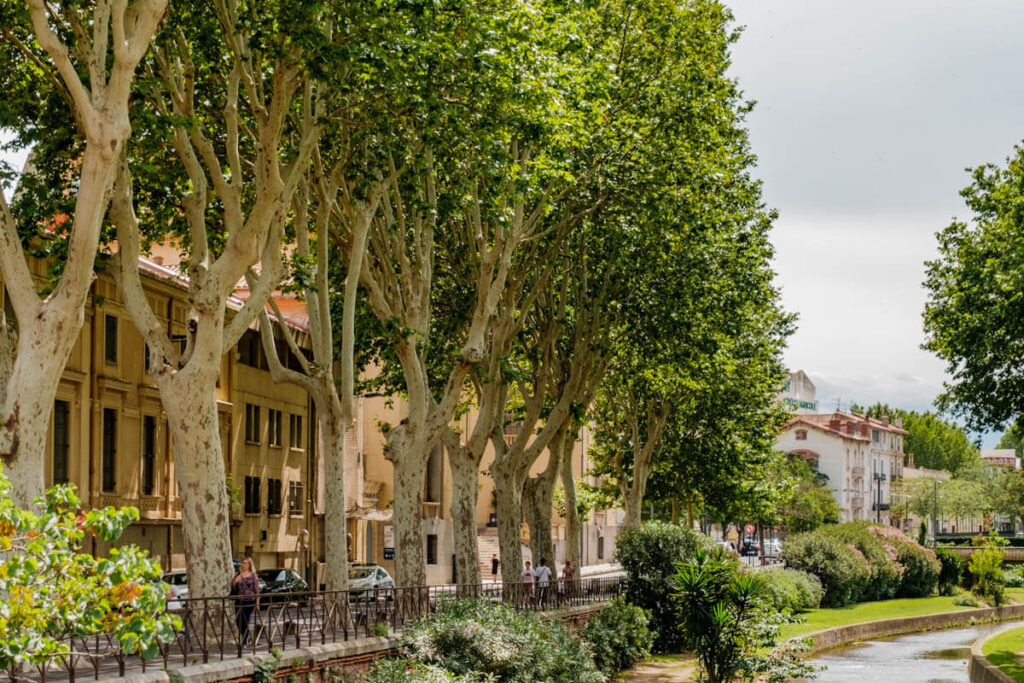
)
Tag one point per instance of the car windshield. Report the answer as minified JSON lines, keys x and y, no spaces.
{"x":361,"y":572}
{"x":176,"y":579}
{"x":269,"y":575}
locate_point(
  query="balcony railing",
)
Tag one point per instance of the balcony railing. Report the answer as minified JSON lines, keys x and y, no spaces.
{"x":881,"y":506}
{"x":210,"y":626}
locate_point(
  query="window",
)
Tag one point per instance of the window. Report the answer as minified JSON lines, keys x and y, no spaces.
{"x":295,"y":431}
{"x":801,"y":435}
{"x":600,"y":547}
{"x":431,"y":548}
{"x":295,"y":498}
{"x":274,"y":427}
{"x":110,"y":339}
{"x":250,"y":351}
{"x":109,"y":448}
{"x":252,"y":495}
{"x":61,"y":440}
{"x":875,"y":436}
{"x":148,"y":453}
{"x":252,"y":423}
{"x":273,"y":496}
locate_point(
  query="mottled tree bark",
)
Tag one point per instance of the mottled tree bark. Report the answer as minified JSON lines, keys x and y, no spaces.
{"x":573,"y":527}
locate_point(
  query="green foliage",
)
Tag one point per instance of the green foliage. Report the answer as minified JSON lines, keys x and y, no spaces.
{"x":859,"y":561}
{"x":843,"y":571}
{"x":986,"y":567}
{"x":477,"y":637}
{"x":727,"y":625}
{"x":619,"y":636}
{"x":405,"y":671}
{"x":974,"y":316}
{"x":54,"y":591}
{"x":649,"y":555}
{"x":381,"y":628}
{"x":952,"y":572}
{"x":791,"y":589}
{"x":886,"y":572}
{"x":1014,"y":575}
{"x":965,"y":599}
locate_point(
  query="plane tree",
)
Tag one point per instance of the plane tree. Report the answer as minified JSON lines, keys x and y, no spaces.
{"x":68,"y":74}
{"x":232,"y":114}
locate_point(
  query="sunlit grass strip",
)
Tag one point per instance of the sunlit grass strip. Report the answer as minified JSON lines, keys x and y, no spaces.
{"x":1002,"y":648}
{"x":820,"y":619}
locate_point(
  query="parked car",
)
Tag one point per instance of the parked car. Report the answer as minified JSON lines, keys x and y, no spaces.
{"x":773,"y":547}
{"x":274,"y":583}
{"x":177,"y":588}
{"x":727,"y":546}
{"x":364,"y":578}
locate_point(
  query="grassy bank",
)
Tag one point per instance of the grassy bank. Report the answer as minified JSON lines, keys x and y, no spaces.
{"x":820,"y":619}
{"x":1002,"y":651}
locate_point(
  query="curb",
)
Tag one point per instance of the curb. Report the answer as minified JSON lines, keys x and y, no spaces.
{"x":851,"y":633}
{"x":979,"y":669}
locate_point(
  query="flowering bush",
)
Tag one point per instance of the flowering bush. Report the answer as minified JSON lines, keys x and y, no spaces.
{"x":476,"y":637}
{"x":881,"y":555}
{"x":619,"y":636}
{"x":841,"y":568}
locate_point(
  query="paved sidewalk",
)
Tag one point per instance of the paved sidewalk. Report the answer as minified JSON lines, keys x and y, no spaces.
{"x":681,"y":669}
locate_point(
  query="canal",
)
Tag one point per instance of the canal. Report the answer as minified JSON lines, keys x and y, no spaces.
{"x":935,"y":657}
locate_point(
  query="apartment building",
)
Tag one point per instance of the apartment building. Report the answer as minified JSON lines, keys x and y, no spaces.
{"x":860,"y":455}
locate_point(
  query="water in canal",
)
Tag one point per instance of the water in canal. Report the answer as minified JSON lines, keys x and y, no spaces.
{"x":936,"y":657}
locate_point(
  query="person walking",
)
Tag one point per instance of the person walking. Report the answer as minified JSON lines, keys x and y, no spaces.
{"x":246,"y":586}
{"x":495,"y":566}
{"x":542,"y":575}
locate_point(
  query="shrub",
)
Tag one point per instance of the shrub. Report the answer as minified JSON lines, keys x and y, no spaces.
{"x":986,"y":565}
{"x":649,"y":555}
{"x":405,"y":671}
{"x":467,"y":637}
{"x":1014,"y":576}
{"x":951,"y":572}
{"x":619,"y":636}
{"x":920,"y":566}
{"x":966,"y":600}
{"x":727,"y":624}
{"x":841,"y":568}
{"x":791,"y":589}
{"x":881,"y":556}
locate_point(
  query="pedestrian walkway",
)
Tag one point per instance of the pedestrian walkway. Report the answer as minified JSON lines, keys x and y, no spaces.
{"x":672,"y":669}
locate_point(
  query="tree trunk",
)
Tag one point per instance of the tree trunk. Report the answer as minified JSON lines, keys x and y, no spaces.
{"x":30,"y":390}
{"x":407,"y":452}
{"x":573,"y":528}
{"x":632,"y":504}
{"x":465,"y":479}
{"x":508,"y":485}
{"x":539,"y":499}
{"x":333,"y":428}
{"x":189,"y":398}
{"x":689,"y":513}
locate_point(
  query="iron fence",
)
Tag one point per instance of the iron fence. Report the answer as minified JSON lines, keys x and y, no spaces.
{"x":229,"y":627}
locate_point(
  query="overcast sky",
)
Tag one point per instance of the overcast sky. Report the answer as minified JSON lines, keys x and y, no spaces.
{"x":867,"y":114}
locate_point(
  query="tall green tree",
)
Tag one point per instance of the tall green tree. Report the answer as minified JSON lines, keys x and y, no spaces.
{"x":68,"y":74}
{"x":934,"y":442}
{"x":232,"y":113}
{"x":974,"y":315}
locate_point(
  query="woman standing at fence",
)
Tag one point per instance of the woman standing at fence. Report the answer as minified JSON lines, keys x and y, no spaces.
{"x":246,"y":586}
